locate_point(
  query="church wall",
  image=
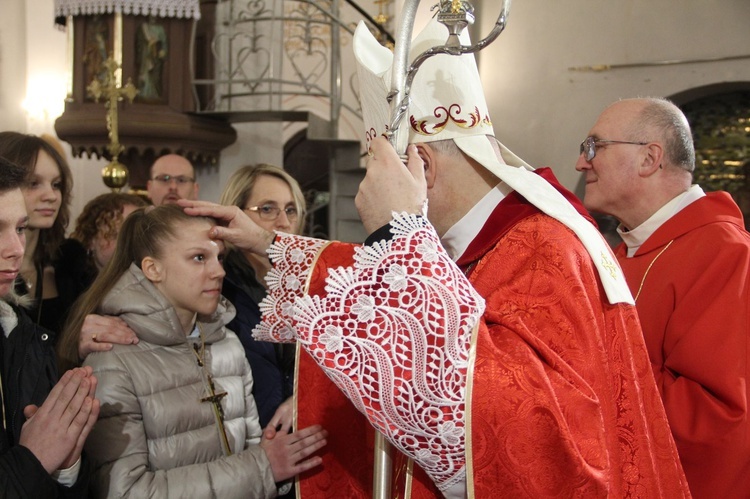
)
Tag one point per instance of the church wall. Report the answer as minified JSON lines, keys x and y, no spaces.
{"x":12,"y":65}
{"x":542,"y":111}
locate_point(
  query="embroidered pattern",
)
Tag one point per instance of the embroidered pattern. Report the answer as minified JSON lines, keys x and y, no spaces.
{"x":393,"y":332}
{"x":294,"y":256}
{"x":610,"y":266}
{"x":451,"y":114}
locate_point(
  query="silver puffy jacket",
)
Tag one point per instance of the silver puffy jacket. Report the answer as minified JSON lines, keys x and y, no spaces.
{"x":154,"y":437}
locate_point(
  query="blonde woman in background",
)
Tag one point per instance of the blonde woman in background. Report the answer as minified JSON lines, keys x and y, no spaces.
{"x":274,"y":200}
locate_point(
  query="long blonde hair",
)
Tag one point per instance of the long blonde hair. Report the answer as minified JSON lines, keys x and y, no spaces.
{"x":145,"y":232}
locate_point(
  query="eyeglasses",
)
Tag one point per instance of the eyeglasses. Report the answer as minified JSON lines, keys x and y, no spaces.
{"x":589,"y":145}
{"x":180,"y":179}
{"x":271,"y":212}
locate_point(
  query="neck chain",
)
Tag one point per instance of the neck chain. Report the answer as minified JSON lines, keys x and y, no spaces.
{"x":213,"y":396}
{"x":643,"y":280}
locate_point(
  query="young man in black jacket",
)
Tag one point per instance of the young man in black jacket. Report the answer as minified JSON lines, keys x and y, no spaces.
{"x":45,"y":422}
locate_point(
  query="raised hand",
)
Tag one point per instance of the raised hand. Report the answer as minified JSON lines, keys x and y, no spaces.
{"x":390,"y":186}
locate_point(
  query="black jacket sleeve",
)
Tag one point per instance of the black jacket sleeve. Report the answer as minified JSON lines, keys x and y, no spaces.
{"x":22,"y":476}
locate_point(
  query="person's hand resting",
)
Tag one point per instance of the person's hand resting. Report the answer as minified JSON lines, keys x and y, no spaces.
{"x":282,"y":418}
{"x":100,"y":332}
{"x":288,"y":452}
{"x":56,"y":431}
{"x":390,"y":186}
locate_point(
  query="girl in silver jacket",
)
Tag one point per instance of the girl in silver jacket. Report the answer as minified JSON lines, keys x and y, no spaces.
{"x":177,"y":413}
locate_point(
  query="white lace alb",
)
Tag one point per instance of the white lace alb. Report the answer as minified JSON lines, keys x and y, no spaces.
{"x":393,"y":332}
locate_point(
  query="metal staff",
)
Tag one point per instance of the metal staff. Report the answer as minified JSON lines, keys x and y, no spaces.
{"x":456,"y":15}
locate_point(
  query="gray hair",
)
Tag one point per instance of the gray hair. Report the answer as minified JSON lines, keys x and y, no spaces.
{"x":662,"y":116}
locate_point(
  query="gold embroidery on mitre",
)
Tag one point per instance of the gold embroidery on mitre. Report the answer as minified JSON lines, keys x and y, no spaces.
{"x":609,"y":265}
{"x":445,"y":116}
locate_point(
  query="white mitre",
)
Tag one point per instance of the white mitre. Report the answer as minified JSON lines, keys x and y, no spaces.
{"x":447,"y":102}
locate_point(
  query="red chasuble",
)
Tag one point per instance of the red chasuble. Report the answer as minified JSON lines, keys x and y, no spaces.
{"x":692,"y":282}
{"x":561,"y":398}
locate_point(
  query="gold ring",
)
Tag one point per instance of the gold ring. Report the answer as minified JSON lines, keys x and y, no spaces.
{"x":93,"y":337}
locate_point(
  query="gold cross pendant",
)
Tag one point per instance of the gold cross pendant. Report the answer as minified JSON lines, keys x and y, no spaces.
{"x":215,"y":399}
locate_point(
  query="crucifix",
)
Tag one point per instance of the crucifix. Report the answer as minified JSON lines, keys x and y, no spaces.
{"x":214,"y":397}
{"x":115,"y":174}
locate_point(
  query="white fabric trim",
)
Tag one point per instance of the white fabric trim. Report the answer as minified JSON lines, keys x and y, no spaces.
{"x":188,"y":9}
{"x":463,"y":232}
{"x":541,"y":194}
{"x":635,"y":238}
{"x":447,"y":102}
{"x":68,"y":476}
{"x":8,"y":318}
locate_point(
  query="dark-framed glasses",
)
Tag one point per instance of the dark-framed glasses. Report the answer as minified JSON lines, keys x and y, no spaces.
{"x":180,"y":179}
{"x":589,"y":145}
{"x":271,"y":211}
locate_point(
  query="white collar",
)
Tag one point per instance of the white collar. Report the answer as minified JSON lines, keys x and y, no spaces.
{"x":457,"y":238}
{"x":8,"y":318}
{"x":196,"y":332}
{"x":635,"y":238}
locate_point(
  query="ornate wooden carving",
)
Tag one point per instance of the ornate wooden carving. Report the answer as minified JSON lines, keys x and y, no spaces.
{"x":156,"y":56}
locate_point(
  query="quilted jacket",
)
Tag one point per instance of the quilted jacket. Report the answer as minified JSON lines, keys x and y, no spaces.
{"x":154,"y":437}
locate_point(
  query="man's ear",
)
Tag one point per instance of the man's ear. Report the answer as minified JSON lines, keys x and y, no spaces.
{"x":652,"y":160}
{"x":430,"y":163}
{"x":152,"y":269}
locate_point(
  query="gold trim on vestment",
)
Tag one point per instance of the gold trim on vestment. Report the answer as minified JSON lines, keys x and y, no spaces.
{"x":643,"y":279}
{"x":467,"y":409}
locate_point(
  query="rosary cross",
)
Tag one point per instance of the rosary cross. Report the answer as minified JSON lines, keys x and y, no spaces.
{"x":213,"y":397}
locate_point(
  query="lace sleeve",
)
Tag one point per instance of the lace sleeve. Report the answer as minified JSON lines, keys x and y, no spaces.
{"x":393,"y":332}
{"x":293,"y":258}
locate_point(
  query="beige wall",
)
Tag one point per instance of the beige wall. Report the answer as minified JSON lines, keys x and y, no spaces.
{"x":540,"y":109}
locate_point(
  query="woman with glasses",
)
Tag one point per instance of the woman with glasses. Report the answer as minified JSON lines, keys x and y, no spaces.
{"x":274,"y":200}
